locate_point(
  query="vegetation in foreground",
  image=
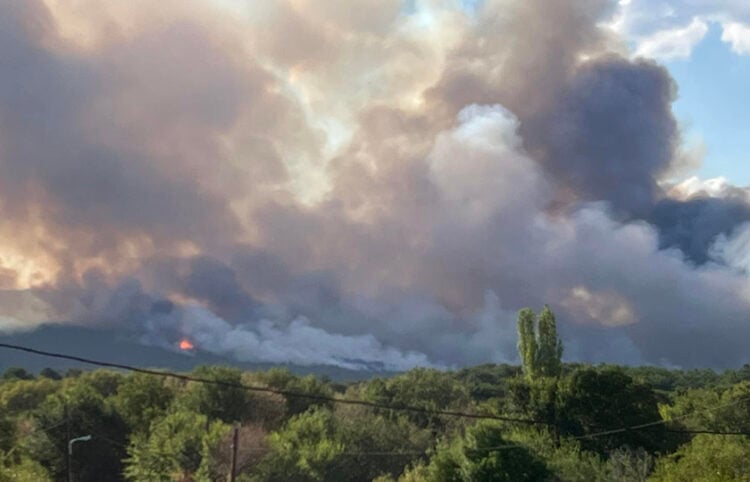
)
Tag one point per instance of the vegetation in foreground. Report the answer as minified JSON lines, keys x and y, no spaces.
{"x":561,"y":423}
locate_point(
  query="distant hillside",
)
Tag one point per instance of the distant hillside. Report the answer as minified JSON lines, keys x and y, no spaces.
{"x":108,"y":345}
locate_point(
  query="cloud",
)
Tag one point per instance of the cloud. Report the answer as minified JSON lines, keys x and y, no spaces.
{"x":677,"y":43}
{"x":386,"y":189}
{"x":737,"y":35}
{"x":670,"y":29}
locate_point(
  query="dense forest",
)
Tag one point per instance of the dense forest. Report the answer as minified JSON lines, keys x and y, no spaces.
{"x":542,"y":421}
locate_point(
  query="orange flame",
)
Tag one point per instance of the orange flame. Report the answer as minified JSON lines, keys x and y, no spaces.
{"x":186,"y":345}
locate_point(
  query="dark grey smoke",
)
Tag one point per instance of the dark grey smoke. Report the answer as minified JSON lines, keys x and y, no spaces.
{"x":692,"y":226}
{"x":611,"y":134}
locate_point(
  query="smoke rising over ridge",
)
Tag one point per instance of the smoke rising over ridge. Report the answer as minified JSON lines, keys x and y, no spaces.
{"x":385,"y":186}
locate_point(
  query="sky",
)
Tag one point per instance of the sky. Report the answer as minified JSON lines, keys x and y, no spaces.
{"x":707,"y":52}
{"x":713,"y":92}
{"x":384,"y":187}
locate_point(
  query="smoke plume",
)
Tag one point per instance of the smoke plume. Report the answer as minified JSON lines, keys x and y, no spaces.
{"x":372,"y":187}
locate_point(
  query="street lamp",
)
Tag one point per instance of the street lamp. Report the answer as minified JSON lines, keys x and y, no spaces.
{"x":85,"y":438}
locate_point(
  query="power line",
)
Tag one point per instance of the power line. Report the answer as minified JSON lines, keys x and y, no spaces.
{"x":406,"y":408}
{"x":35,"y":430}
{"x":285,"y":393}
{"x":656,"y":423}
{"x":708,"y":432}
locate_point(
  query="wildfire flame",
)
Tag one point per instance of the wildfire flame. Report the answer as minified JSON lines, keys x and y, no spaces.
{"x":186,"y":344}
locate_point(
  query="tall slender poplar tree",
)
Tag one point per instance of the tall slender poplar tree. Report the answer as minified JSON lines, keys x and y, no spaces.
{"x":550,"y":348}
{"x":527,"y":344}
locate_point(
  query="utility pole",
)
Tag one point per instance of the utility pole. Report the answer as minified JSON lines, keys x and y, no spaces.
{"x":68,"y":467}
{"x":235,"y":444}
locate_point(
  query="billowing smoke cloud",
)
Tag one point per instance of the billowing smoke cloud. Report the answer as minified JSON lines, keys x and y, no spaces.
{"x":291,"y":182}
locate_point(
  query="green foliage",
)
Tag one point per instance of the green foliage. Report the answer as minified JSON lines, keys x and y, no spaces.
{"x":322,"y":445}
{"x":283,"y":379}
{"x":485,"y":382}
{"x":729,"y":409}
{"x":564,"y":458}
{"x":550,"y":348}
{"x":484,"y":455}
{"x":179,"y":431}
{"x":534,"y":399}
{"x":363,"y":432}
{"x":527,"y":343}
{"x":50,"y":373}
{"x":422,"y":388}
{"x":76,"y":411}
{"x":24,"y":395}
{"x":141,"y":399}
{"x":539,"y":346}
{"x":105,"y":382}
{"x":7,"y":433}
{"x":17,"y":373}
{"x":73,"y":373}
{"x":227,"y":403}
{"x":176,"y":448}
{"x":707,"y":459}
{"x":304,"y":450}
{"x":600,"y":400}
{"x":666,"y":380}
{"x":630,"y":465}
{"x":21,"y":469}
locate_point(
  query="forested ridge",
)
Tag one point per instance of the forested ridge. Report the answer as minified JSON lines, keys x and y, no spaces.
{"x":542,"y":421}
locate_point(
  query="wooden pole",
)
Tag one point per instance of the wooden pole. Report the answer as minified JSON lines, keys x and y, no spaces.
{"x":235,"y":444}
{"x":68,"y":461}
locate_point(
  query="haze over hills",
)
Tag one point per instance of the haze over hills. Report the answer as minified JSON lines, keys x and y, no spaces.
{"x":116,"y":347}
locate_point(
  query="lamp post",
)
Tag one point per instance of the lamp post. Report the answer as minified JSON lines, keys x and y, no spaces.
{"x":85,"y":438}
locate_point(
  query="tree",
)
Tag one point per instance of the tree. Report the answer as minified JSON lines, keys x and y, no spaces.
{"x":707,"y":458}
{"x":24,"y":395}
{"x":226,"y":401}
{"x":484,"y":455}
{"x":76,"y":411}
{"x":177,"y":448}
{"x":629,"y":464}
{"x":527,"y":343}
{"x":21,"y":469}
{"x":319,"y":445}
{"x":305,"y":450}
{"x":252,"y":447}
{"x":730,"y":409}
{"x":105,"y":382}
{"x":600,"y":400}
{"x":50,"y":373}
{"x":7,"y":433}
{"x":17,"y":373}
{"x":283,"y":379}
{"x":424,"y":388}
{"x":141,"y":399}
{"x":563,"y":457}
{"x":550,"y":349}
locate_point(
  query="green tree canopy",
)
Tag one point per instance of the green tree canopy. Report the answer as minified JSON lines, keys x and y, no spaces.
{"x":141,"y":399}
{"x":218,"y":402}
{"x":177,"y":448}
{"x":550,"y":349}
{"x":484,"y":455}
{"x":600,"y":400}
{"x":17,"y":373}
{"x":50,"y":373}
{"x":707,"y":458}
{"x":539,"y":346}
{"x":527,"y":343}
{"x":76,"y":411}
